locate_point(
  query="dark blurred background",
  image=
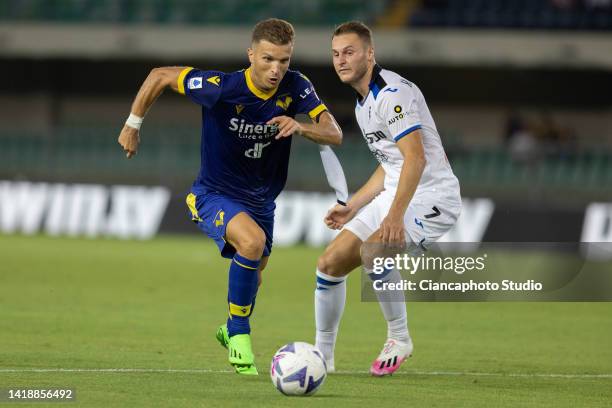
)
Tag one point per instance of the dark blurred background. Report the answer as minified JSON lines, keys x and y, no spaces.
{"x":520,"y":90}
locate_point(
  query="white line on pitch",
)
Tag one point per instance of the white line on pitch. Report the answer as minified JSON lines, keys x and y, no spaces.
{"x":341,"y":372}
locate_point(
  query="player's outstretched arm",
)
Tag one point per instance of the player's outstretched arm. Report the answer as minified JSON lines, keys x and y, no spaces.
{"x":323,"y":130}
{"x":153,"y":86}
{"x":340,"y":215}
{"x":411,"y":147}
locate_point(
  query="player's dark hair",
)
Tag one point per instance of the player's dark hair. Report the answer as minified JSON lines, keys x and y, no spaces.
{"x":274,"y":30}
{"x":355,"y":27}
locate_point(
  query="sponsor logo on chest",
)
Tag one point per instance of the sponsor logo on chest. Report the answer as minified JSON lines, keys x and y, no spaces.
{"x":252,"y":131}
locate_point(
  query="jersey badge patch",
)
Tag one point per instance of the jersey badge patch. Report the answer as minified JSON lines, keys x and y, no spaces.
{"x":195,"y":83}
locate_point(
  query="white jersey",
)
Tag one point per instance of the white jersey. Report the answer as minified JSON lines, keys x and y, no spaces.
{"x":393,"y":108}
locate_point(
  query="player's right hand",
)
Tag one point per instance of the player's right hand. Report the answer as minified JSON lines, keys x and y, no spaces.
{"x":338,"y":215}
{"x":129,"y":139}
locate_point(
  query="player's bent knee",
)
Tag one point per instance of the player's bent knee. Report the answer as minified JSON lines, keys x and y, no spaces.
{"x":328,"y":263}
{"x":252,"y":245}
{"x":251,"y":249}
{"x":322,"y":264}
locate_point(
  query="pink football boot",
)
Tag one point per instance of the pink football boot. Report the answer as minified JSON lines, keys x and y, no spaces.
{"x":391,"y":357}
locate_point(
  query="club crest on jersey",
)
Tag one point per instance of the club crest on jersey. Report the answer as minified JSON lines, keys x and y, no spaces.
{"x":215,"y":80}
{"x":239,"y":109}
{"x":284,"y":101}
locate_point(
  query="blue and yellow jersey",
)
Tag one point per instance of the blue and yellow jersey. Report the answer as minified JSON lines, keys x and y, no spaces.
{"x":240,"y":156}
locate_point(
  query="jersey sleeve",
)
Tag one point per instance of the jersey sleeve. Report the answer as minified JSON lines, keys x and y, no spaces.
{"x":203,"y":87}
{"x":398,"y":108}
{"x":308,"y":102}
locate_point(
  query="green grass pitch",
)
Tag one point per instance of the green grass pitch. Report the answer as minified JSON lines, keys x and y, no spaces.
{"x":83,"y":308}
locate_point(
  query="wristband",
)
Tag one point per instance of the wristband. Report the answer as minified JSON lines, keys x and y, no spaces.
{"x":134,"y":121}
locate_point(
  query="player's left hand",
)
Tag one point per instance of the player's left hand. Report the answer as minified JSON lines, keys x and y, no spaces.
{"x":338,"y":216}
{"x":392,"y":231}
{"x":286,"y":126}
{"x":129,"y":139}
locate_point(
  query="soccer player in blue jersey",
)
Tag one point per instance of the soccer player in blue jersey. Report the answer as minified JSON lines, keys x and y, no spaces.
{"x":247,"y":124}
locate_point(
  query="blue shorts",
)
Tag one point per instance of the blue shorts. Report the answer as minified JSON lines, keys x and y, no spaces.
{"x":213,"y":211}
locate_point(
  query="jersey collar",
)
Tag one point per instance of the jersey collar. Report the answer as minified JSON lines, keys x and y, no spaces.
{"x":256,"y":91}
{"x":376,"y":84}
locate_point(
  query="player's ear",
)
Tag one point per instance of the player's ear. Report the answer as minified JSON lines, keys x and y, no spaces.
{"x":251,"y":54}
{"x":371,"y":53}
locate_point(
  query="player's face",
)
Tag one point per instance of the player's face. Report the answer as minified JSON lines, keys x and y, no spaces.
{"x":351,"y":57}
{"x":269,"y":63}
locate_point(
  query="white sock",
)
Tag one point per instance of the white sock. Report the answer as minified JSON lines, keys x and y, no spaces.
{"x":393,"y":306}
{"x":330,"y":296}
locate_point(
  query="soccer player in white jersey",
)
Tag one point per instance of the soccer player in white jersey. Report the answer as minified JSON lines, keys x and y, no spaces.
{"x":412,"y":198}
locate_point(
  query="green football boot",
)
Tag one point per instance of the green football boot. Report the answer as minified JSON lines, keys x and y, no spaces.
{"x":240,"y":352}
{"x":222,"y":336}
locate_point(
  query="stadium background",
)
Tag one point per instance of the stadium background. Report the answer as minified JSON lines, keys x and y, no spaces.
{"x":520,"y":92}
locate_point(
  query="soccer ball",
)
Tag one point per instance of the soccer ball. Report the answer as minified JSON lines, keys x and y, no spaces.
{"x":298,"y":369}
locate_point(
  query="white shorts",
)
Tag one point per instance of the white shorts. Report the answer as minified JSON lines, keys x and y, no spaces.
{"x":427,"y":218}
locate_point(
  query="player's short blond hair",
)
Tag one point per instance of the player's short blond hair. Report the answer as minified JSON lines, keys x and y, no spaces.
{"x":274,"y":30}
{"x":355,"y":27}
